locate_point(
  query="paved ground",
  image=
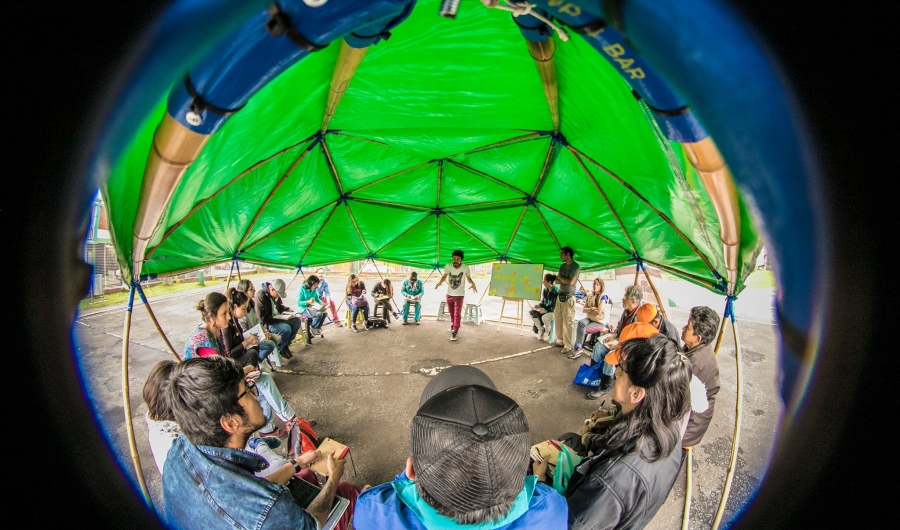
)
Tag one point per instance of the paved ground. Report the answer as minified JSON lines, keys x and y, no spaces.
{"x":363,"y":388}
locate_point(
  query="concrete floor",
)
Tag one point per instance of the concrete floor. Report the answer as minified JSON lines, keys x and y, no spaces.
{"x":363,"y":388}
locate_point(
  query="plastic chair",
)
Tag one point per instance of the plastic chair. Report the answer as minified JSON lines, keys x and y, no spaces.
{"x":473,"y":314}
{"x":442,"y":310}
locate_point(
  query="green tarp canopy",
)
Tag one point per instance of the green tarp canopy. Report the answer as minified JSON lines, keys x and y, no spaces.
{"x":443,"y":141}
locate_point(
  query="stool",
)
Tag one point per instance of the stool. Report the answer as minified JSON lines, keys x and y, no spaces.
{"x":442,"y":310}
{"x":551,"y":337}
{"x":473,"y":314}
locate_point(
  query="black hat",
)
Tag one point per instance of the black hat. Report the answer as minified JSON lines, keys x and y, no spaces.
{"x":469,"y":446}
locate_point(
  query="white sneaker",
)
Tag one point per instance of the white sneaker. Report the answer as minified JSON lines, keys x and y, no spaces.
{"x":453,"y":336}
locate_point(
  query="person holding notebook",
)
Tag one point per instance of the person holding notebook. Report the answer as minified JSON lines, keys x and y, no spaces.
{"x":208,"y":479}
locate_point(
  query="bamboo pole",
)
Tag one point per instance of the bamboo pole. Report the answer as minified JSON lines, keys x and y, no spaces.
{"x":238,"y":270}
{"x":230,"y":272}
{"x":347,"y":62}
{"x":129,"y":425}
{"x":662,"y":306}
{"x":637,"y":272}
{"x":721,"y":330}
{"x":732,"y":465}
{"x":299,"y":270}
{"x":686,"y":518}
{"x":140,"y":291}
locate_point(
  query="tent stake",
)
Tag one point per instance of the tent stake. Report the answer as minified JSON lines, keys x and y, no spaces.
{"x":140,"y":292}
{"x":129,"y":425}
{"x":732,"y":465}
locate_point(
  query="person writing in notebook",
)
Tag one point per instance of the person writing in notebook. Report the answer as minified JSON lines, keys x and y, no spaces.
{"x":269,"y":306}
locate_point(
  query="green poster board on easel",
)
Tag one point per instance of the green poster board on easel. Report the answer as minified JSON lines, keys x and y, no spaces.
{"x":522,"y":281}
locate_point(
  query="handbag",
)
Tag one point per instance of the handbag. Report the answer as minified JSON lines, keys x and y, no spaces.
{"x":588,"y":375}
{"x":360,"y":302}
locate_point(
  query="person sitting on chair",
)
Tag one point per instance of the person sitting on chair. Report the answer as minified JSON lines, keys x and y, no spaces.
{"x":412,"y":292}
{"x":246,"y":351}
{"x":269,"y":305}
{"x":594,"y":313}
{"x":208,"y":479}
{"x":251,"y":319}
{"x":469,"y":447}
{"x":632,"y":461}
{"x":306,"y":302}
{"x":543,"y":313}
{"x":383,"y":292}
{"x":356,"y":300}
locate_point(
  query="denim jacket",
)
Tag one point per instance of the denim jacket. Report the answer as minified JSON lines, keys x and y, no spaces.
{"x":208,"y":487}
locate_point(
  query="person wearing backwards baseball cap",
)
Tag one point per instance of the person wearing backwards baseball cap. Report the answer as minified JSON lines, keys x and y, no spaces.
{"x":470,"y":455}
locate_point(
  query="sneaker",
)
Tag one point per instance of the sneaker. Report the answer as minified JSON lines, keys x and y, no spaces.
{"x":286,"y":353}
{"x":405,"y":322}
{"x":417,"y":322}
{"x":559,"y":343}
{"x":574,"y":355}
{"x":277,"y":433}
{"x":354,"y":328}
{"x":316,"y":332}
{"x":566,"y":352}
{"x":386,"y":325}
{"x":451,"y":329}
{"x":338,"y":323}
{"x":271,"y":441}
{"x":453,"y":336}
{"x":597,"y":394}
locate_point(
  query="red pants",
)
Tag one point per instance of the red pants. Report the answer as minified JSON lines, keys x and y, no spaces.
{"x":344,"y":489}
{"x":454,"y":307}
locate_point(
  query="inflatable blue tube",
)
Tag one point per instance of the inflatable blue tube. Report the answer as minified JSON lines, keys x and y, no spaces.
{"x":671,"y":113}
{"x":738,"y":95}
{"x":271,"y":41}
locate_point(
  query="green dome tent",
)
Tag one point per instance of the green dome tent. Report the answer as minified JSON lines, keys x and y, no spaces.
{"x":443,"y":140}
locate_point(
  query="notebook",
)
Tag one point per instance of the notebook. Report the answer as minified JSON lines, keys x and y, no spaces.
{"x":255,"y":330}
{"x":326,"y":447}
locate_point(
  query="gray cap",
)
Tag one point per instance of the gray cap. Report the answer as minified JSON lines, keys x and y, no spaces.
{"x":469,"y":446}
{"x":279,"y":288}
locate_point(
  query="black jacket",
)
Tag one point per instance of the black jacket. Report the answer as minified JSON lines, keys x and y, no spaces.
{"x":667,"y":328}
{"x":617,"y":490}
{"x":233,"y":341}
{"x":264,"y":305}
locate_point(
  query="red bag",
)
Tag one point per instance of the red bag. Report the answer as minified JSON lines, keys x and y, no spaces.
{"x":309,"y":441}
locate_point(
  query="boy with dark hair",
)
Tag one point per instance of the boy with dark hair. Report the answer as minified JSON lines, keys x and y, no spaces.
{"x":456,"y":290}
{"x":208,"y":479}
{"x":470,"y":446}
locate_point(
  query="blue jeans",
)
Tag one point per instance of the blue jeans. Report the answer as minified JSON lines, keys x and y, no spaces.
{"x":271,"y":400}
{"x":355,"y":310}
{"x":406,"y":310}
{"x":287,"y":330}
{"x":315,"y":318}
{"x":266,"y":348}
{"x":597,"y":356}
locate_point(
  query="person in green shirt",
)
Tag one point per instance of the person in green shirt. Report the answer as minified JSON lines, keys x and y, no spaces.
{"x":311,"y":307}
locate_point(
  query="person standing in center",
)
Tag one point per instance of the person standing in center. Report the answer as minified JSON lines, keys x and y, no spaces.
{"x":456,"y":289}
{"x":564,"y":312}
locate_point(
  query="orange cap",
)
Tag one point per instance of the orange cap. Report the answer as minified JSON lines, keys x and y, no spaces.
{"x":636,"y":330}
{"x":646,"y":313}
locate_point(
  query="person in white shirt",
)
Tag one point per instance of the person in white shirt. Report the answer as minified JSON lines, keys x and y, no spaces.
{"x":454,"y":273}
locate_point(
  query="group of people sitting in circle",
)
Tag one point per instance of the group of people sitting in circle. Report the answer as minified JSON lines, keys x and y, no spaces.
{"x":225,"y":462}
